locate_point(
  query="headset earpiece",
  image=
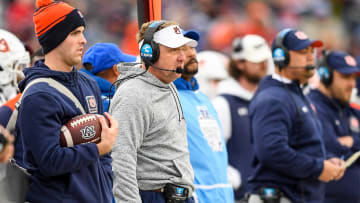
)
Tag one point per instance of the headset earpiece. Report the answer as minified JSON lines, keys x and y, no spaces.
{"x":324,"y":70}
{"x":237,"y":45}
{"x":280,"y":53}
{"x":150,"y":51}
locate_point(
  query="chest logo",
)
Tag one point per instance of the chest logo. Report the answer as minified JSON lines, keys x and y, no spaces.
{"x":210,"y":129}
{"x":242,"y":111}
{"x":91,"y":103}
{"x":354,"y":124}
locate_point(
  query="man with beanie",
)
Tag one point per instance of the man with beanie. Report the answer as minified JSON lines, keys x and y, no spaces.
{"x":208,"y":154}
{"x":60,"y":174}
{"x":248,"y":65}
{"x":337,"y":71}
{"x":290,"y":160}
{"x":100,"y":62}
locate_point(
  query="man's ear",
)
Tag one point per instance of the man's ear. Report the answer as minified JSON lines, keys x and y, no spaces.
{"x":115,"y":70}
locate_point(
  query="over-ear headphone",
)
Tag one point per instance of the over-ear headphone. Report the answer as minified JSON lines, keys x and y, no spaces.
{"x":237,"y":45}
{"x":280,"y":53}
{"x":324,"y":70}
{"x":150,"y":51}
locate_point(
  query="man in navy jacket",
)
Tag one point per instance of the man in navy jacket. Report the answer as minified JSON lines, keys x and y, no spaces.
{"x":82,"y":173}
{"x":337,"y":72}
{"x":290,"y":160}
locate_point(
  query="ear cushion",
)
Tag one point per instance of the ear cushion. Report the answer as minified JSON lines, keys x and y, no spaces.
{"x":156,"y":51}
{"x":280,"y":53}
{"x":281,"y":57}
{"x":324,"y":70}
{"x":325,"y":75}
{"x":149,"y":51}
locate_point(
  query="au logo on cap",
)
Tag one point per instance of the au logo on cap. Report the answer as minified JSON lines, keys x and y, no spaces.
{"x":177,"y":30}
{"x":80,"y":14}
{"x":350,"y":60}
{"x":300,"y":35}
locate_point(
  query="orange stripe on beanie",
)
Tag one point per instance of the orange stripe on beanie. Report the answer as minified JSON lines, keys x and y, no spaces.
{"x":54,"y":20}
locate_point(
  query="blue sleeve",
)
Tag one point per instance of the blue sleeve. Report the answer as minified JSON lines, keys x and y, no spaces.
{"x":39,"y":122}
{"x":271,"y":124}
{"x":330,"y":137}
{"x":356,"y":145}
{"x":106,"y":161}
{"x":5,"y":114}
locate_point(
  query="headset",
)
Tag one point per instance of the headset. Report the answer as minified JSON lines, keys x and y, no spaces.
{"x":280,"y":53}
{"x":150,"y":50}
{"x":237,"y":45}
{"x":324,"y":70}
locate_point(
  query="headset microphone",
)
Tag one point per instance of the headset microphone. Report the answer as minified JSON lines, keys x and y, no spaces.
{"x":309,"y":67}
{"x":178,"y":70}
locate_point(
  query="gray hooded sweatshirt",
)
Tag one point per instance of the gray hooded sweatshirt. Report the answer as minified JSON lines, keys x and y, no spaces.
{"x":151,"y":149}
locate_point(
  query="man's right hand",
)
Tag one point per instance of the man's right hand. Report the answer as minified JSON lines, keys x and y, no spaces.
{"x":330,"y":171}
{"x":8,"y":150}
{"x":108,"y":134}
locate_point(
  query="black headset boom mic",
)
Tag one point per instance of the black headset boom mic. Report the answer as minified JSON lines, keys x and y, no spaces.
{"x":178,"y":70}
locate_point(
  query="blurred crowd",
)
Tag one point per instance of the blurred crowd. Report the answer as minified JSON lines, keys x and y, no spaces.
{"x":335,"y":22}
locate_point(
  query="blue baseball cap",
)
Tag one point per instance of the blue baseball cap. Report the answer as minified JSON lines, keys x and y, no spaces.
{"x":103,"y":56}
{"x":342,"y":62}
{"x":192,"y":34}
{"x":297,"y":40}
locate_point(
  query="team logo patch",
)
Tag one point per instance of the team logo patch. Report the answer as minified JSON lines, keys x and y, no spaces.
{"x":177,"y":30}
{"x":305,"y":109}
{"x":91,"y":102}
{"x":88,"y":132}
{"x":80,"y":14}
{"x":4,"y":47}
{"x":350,"y":60}
{"x":210,"y":129}
{"x":300,"y":35}
{"x":354,"y":124}
{"x":243,"y":111}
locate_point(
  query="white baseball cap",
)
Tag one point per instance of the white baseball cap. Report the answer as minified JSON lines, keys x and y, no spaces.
{"x":252,"y":48}
{"x":172,"y":37}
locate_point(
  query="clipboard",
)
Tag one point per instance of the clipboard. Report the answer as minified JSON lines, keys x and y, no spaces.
{"x":351,"y":160}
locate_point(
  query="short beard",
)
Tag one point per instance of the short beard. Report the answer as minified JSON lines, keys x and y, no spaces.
{"x":186,"y":69}
{"x":254,"y":79}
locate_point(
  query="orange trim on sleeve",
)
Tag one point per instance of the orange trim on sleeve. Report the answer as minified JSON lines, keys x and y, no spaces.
{"x":355,"y":106}
{"x":11,"y":103}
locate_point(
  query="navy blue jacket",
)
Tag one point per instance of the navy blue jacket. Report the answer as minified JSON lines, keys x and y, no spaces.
{"x":5,"y":114}
{"x":339,"y":120}
{"x":241,"y":151}
{"x":289,"y":151}
{"x":60,"y":174}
